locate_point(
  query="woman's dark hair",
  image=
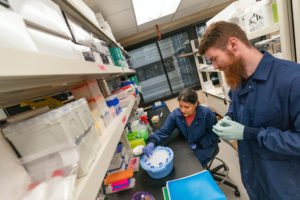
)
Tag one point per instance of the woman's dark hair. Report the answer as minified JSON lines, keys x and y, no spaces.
{"x":188,"y":95}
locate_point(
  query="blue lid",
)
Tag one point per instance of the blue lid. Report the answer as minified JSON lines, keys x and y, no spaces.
{"x":124,"y":83}
{"x":112,"y":101}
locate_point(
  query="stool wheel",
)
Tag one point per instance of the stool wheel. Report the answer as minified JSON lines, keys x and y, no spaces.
{"x":237,"y":193}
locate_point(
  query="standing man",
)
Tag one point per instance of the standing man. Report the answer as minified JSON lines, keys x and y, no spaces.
{"x":264,"y":115}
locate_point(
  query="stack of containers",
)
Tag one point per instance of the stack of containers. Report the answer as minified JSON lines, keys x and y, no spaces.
{"x":14,"y":33}
{"x":260,"y":15}
{"x":69,"y":124}
{"x":58,"y":44}
{"x":113,"y":103}
{"x":122,"y":95}
{"x":129,"y":86}
{"x":101,"y":46}
{"x":117,"y":162}
{"x":52,"y":173}
{"x":104,"y":26}
{"x":85,"y":10}
{"x":120,"y":180}
{"x":91,"y":91}
{"x":89,"y":143}
{"x":117,"y":56}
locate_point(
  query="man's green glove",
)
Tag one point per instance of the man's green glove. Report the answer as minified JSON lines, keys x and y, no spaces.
{"x":221,"y":123}
{"x":229,"y":130}
{"x":227,"y":117}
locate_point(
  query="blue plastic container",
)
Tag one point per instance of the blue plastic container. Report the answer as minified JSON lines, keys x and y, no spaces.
{"x":160,"y":164}
{"x":113,"y":101}
{"x":125,"y":83}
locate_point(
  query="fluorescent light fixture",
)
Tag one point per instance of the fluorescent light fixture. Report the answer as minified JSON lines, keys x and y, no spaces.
{"x":149,"y":10}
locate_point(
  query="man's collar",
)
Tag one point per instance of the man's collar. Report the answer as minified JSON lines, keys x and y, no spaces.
{"x":264,"y":67}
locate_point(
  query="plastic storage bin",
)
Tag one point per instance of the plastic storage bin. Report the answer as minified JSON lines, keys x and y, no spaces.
{"x":160,"y":164}
{"x":52,"y":173}
{"x":44,"y":13}
{"x":88,"y":147}
{"x":260,"y":15}
{"x":117,"y":56}
{"x":63,"y":125}
{"x":14,"y":33}
{"x":91,"y":92}
{"x":44,"y":131}
{"x":53,"y":45}
{"x":82,"y":113}
{"x":113,"y":101}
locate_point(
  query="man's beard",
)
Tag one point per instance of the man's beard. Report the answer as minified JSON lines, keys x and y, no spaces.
{"x":233,"y":71}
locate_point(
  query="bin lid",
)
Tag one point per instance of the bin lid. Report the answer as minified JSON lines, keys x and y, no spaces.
{"x":159,"y":159}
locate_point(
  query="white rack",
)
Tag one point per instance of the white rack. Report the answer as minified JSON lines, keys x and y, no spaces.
{"x":45,"y":74}
{"x":88,"y":186}
{"x":264,"y":31}
{"x":27,"y":75}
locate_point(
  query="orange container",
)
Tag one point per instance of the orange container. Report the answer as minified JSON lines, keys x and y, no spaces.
{"x":125,"y":174}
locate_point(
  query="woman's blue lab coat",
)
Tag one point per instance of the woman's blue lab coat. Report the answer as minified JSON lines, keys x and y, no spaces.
{"x":268,"y":104}
{"x":199,"y":135}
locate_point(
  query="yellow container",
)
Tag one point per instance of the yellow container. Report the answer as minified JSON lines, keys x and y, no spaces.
{"x":136,"y":142}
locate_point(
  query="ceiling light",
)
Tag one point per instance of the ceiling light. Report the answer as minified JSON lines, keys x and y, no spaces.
{"x":146,"y":11}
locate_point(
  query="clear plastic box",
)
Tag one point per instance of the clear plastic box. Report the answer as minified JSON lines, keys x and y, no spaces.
{"x":63,"y":125}
{"x":52,"y":173}
{"x":88,"y":147}
{"x":82,"y":112}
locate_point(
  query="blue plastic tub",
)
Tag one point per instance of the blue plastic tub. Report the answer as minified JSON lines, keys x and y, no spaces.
{"x":160,"y":164}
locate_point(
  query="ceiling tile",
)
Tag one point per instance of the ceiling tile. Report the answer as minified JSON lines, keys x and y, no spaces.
{"x":218,"y":2}
{"x":190,"y":3}
{"x":126,"y":33}
{"x":121,"y":21}
{"x":151,"y":24}
{"x":92,"y":4}
{"x":192,"y":10}
{"x":109,"y":7}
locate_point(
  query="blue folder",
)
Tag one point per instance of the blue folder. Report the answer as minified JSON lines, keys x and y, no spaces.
{"x":195,"y":187}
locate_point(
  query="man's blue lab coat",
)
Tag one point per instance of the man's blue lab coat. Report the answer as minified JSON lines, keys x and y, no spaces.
{"x":268,"y":104}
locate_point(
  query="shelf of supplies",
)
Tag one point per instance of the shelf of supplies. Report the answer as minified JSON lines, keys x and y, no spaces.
{"x":46,"y":30}
{"x":187,"y":54}
{"x":217,"y":102}
{"x":263,"y":31}
{"x":217,"y":92}
{"x":268,"y":41}
{"x":128,"y":71}
{"x":207,"y":68}
{"x":71,"y":9}
{"x":88,"y":186}
{"x":45,"y":74}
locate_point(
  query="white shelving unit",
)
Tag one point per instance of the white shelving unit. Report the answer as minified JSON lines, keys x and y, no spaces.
{"x":45,"y":74}
{"x":27,"y":75}
{"x":263,"y":31}
{"x":216,"y":97}
{"x":88,"y":186}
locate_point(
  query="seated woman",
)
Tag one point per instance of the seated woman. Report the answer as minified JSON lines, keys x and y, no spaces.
{"x":194,"y":122}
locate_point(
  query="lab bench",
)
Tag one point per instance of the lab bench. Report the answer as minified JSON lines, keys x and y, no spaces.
{"x":184,"y":163}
